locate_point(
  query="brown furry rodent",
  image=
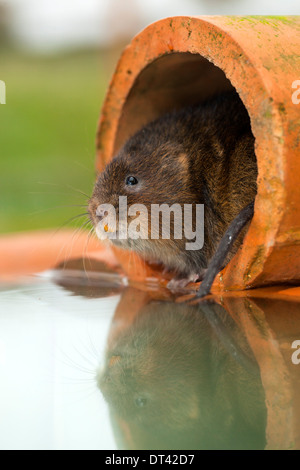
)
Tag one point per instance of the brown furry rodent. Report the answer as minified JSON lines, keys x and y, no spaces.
{"x":202,"y":154}
{"x":176,"y":382}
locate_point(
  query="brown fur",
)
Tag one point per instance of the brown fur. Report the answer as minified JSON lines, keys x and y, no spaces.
{"x":202,"y":154}
{"x":196,"y":395}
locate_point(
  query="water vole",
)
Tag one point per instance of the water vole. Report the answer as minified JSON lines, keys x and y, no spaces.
{"x":202,"y":154}
{"x":180,"y":381}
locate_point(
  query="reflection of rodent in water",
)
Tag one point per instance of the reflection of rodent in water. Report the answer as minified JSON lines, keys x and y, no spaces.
{"x":202,"y":154}
{"x":171,"y":382}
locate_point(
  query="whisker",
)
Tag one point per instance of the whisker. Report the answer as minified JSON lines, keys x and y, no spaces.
{"x":93,"y":350}
{"x":56,"y":207}
{"x":51,"y":192}
{"x":83,"y":356}
{"x":67,"y":186}
{"x":80,"y":192}
{"x":71,"y":363}
{"x":83,"y":166}
{"x":85,"y":250}
{"x":71,"y":219}
{"x":86,"y":396}
{"x":73,"y":380}
{"x":77,"y":231}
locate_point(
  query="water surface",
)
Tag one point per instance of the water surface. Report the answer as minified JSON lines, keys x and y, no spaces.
{"x":98,"y":365}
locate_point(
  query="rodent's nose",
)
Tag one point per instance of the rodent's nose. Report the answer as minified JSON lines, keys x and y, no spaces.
{"x":100,"y":213}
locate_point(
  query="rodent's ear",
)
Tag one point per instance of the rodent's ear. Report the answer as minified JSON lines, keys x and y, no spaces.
{"x":183,"y":161}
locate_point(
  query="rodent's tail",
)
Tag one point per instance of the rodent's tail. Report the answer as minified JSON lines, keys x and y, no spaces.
{"x":225,"y":245}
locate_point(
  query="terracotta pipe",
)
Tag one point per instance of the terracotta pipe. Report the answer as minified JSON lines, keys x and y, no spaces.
{"x":23,"y":254}
{"x":180,"y":60}
{"x":270,"y":328}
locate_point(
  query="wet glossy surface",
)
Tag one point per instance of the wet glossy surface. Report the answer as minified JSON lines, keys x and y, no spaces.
{"x":89,"y":366}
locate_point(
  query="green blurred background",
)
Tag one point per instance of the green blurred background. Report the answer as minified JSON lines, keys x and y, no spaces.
{"x":48,"y":128}
{"x":56,"y":57}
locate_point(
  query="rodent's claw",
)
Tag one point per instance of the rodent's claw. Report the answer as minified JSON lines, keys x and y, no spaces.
{"x":179,"y":284}
{"x":196,"y":298}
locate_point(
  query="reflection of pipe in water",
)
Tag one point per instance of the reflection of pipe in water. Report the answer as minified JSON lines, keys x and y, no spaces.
{"x":264,"y":324}
{"x":223,"y":332}
{"x":174,"y":380}
{"x":89,"y":278}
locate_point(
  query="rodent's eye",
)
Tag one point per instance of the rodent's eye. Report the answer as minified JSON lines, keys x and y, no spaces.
{"x":141,"y":402}
{"x":131,"y":180}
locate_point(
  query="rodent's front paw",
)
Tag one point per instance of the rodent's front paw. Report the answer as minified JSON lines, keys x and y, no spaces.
{"x":179,"y":284}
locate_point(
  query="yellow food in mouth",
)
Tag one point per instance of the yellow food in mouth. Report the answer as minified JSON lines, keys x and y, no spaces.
{"x":113,"y":360}
{"x":107,"y":229}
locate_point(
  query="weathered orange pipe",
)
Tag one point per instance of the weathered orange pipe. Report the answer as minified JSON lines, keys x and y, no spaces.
{"x":22,"y":254}
{"x":180,"y":60}
{"x":270,"y":329}
{"x":270,"y":325}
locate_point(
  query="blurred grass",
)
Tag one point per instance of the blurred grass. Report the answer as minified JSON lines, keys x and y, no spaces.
{"x":47,"y":136}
